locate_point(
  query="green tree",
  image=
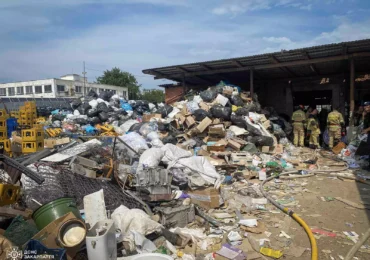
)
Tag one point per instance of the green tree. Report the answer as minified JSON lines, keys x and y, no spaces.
{"x":153,"y":95}
{"x":117,"y":77}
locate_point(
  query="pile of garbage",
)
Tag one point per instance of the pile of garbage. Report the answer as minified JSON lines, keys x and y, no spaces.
{"x":180,"y":181}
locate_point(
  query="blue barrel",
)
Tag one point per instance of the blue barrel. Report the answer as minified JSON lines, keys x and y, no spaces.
{"x":11,"y":125}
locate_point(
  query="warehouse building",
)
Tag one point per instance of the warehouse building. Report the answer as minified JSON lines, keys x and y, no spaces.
{"x":319,"y":76}
{"x":68,"y":86}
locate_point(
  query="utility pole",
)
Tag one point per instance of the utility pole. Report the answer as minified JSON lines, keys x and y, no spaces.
{"x":84,"y":73}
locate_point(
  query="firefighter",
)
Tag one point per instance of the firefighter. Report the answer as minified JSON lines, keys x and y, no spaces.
{"x":299,"y":120}
{"x":335,"y":127}
{"x":313,"y":129}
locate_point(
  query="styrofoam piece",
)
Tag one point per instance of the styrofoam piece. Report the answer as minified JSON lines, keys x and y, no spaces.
{"x":94,"y":206}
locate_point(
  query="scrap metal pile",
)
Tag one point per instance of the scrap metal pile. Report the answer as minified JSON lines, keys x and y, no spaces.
{"x":180,"y":181}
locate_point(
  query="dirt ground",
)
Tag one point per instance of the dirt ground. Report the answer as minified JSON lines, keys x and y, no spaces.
{"x":333,"y":216}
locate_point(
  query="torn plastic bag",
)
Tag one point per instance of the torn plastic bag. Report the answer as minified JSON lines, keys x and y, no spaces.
{"x":236,"y":100}
{"x":150,"y":158}
{"x":102,"y":107}
{"x":174,"y":112}
{"x":92,"y":112}
{"x":126,"y":106}
{"x":151,"y":106}
{"x":94,"y":120}
{"x":136,"y":127}
{"x":93,"y":103}
{"x":127,"y":125}
{"x":251,"y":107}
{"x":57,"y":117}
{"x":76,"y":113}
{"x":238,"y":121}
{"x":261,"y":140}
{"x":92,"y":93}
{"x":179,"y":177}
{"x":165,"y":110}
{"x":134,"y":220}
{"x":162,"y":127}
{"x":135,"y":141}
{"x":76,"y":103}
{"x":81,"y":121}
{"x":208,"y":95}
{"x":192,"y":106}
{"x":147,"y":128}
{"x":200,"y":114}
{"x":104,"y":95}
{"x":115,"y":97}
{"x":197,"y":99}
{"x":242,"y":111}
{"x":219,"y":111}
{"x":103,"y":116}
{"x":170,"y":139}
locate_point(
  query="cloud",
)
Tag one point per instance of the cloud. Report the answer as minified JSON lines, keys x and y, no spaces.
{"x":235,"y":7}
{"x":18,"y":3}
{"x":277,"y":39}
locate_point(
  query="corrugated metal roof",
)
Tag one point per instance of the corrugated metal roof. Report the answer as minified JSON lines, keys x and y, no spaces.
{"x":323,"y":51}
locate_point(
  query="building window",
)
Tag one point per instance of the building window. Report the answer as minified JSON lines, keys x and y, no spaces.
{"x":29,"y":90}
{"x":47,"y":88}
{"x":114,"y":92}
{"x":20,"y":91}
{"x":60,"y":88}
{"x":11,"y":91}
{"x":38,"y":89}
{"x":124,"y":93}
{"x":78,"y":89}
{"x":2,"y":91}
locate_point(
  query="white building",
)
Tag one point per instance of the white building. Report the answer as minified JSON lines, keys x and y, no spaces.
{"x":71,"y":85}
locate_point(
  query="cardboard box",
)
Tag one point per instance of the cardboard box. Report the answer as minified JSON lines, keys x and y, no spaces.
{"x":265,"y":149}
{"x":48,"y":235}
{"x":51,"y":143}
{"x":146,"y":118}
{"x":279,"y":149}
{"x":217,"y":131}
{"x":216,"y":148}
{"x":234,"y":145}
{"x":189,"y":121}
{"x":208,"y":198}
{"x":204,"y":106}
{"x":204,"y":124}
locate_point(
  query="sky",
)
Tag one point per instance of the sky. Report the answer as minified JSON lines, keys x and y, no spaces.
{"x":47,"y":39}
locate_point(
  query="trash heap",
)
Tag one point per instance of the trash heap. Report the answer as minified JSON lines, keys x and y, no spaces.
{"x":158,"y":181}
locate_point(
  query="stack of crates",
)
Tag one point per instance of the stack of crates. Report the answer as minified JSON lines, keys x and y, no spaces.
{"x":27,"y":114}
{"x":3,"y":129}
{"x":32,"y":140}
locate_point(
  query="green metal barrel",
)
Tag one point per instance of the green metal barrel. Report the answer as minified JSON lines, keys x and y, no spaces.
{"x":53,"y":210}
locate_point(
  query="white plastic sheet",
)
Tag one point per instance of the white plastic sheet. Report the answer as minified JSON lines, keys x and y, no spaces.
{"x":135,"y":141}
{"x":127,"y":125}
{"x":150,"y":158}
{"x":93,"y":103}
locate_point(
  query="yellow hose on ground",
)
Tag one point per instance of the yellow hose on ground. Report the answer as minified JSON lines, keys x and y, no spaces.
{"x":314,"y":252}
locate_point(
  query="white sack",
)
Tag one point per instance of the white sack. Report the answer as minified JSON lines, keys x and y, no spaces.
{"x":134,"y":220}
{"x":150,"y":158}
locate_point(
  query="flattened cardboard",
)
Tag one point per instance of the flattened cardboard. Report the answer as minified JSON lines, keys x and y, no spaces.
{"x":208,"y":198}
{"x":204,"y":124}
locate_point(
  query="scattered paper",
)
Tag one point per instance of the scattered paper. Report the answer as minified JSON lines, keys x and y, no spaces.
{"x":248,"y":222}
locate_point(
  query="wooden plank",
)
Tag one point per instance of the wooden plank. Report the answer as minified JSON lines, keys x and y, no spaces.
{"x":9,"y":212}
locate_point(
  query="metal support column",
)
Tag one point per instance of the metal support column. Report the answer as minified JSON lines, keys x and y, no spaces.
{"x":352,"y":91}
{"x":251,"y":82}
{"x":183,"y":84}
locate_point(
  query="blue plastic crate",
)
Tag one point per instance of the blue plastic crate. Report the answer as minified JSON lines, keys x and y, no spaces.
{"x":11,"y":125}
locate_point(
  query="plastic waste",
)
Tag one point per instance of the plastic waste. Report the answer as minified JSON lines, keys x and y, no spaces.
{"x":218,"y":111}
{"x":192,"y":106}
{"x":200,"y":114}
{"x":126,"y":106}
{"x":208,"y":95}
{"x":236,"y":100}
